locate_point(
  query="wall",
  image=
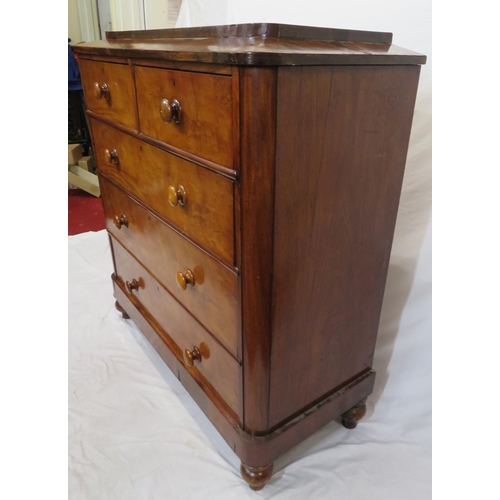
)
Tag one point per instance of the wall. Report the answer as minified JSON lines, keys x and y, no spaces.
{"x":73,"y":22}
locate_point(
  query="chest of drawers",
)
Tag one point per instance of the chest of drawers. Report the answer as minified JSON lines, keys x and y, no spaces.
{"x":250,"y":176}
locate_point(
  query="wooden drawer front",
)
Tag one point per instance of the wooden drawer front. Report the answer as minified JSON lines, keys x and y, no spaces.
{"x":164,"y":252}
{"x":205,"y":126}
{"x":119,"y":106}
{"x":219,"y":368}
{"x":147,"y":172}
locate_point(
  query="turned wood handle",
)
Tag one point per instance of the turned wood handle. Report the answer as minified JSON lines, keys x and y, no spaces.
{"x":111,"y":156}
{"x":191,"y":356}
{"x":101,"y":91}
{"x":183,"y":280}
{"x":134,"y":285}
{"x":170,"y":111}
{"x":120,"y":220}
{"x":177,"y":195}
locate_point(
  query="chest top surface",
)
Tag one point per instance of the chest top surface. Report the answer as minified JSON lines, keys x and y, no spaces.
{"x":256,"y":44}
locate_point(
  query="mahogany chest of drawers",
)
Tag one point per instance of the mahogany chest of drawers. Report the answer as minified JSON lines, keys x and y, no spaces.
{"x":251,"y":176}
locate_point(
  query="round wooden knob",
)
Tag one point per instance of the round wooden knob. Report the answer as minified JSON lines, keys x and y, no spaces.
{"x":177,"y":195}
{"x":111,"y":156}
{"x":191,"y":356}
{"x":134,"y":285}
{"x":183,"y":280}
{"x":120,"y":220}
{"x":101,"y":91}
{"x":170,"y":111}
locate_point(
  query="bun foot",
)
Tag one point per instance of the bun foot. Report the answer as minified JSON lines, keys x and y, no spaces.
{"x":120,"y":309}
{"x":351,"y":417}
{"x":256,"y":477}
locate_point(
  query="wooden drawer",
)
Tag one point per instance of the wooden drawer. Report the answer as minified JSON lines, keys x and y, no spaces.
{"x":205,"y":124}
{"x":164,"y":252}
{"x":216,"y":365}
{"x":207,"y":216}
{"x":115,"y":103}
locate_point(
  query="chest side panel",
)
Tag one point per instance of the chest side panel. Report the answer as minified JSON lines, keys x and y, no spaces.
{"x":342,"y":139}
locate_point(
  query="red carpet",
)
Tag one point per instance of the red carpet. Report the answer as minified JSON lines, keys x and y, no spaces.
{"x":85,"y":212}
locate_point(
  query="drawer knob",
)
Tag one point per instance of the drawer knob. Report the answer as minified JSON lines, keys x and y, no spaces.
{"x":120,"y":220}
{"x":183,"y":280}
{"x":111,"y":156}
{"x":101,"y":91}
{"x":170,"y":111}
{"x":134,"y":285}
{"x":191,"y":356}
{"x":177,"y":195}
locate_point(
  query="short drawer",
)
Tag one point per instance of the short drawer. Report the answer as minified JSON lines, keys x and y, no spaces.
{"x":109,"y":91}
{"x":212,"y":299}
{"x":191,"y":111}
{"x":207,"y":356}
{"x":204,"y":211}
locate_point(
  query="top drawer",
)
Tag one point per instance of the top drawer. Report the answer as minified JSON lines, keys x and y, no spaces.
{"x":191,"y":111}
{"x":109,"y":91}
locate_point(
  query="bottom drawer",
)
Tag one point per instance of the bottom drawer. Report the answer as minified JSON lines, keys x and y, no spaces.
{"x":209,"y":358}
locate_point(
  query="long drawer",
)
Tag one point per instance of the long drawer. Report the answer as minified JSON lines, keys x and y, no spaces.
{"x":212,"y":299}
{"x":196,"y":200}
{"x":191,"y":111}
{"x":109,"y":90}
{"x":204,"y":353}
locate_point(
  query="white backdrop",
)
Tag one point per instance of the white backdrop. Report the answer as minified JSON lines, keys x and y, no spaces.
{"x":136,"y":434}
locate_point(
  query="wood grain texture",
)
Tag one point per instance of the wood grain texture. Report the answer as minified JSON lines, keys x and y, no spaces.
{"x":186,"y":66}
{"x":257,"y":44}
{"x":206,"y":397}
{"x":148,"y":172}
{"x":252,"y":450}
{"x":165,"y":253}
{"x":205,"y":127}
{"x":119,"y":79}
{"x":258,"y":107}
{"x":197,"y":160}
{"x":217,"y":366}
{"x":256,"y":30}
{"x":340,"y":158}
{"x":251,"y":223}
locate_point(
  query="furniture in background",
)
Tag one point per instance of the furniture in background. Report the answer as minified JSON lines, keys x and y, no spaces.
{"x":251,"y":177}
{"x":81,"y":168}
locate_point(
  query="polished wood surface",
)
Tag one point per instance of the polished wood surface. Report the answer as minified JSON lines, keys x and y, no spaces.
{"x":115,"y":98}
{"x":352,"y":416}
{"x":120,"y":309}
{"x":165,"y":253}
{"x":203,"y":127}
{"x":185,"y":279}
{"x":177,"y":195}
{"x":120,"y":220}
{"x":216,"y":365}
{"x":191,"y":356}
{"x":207,"y":217}
{"x":257,"y":45}
{"x":196,"y":160}
{"x":111,"y":157}
{"x":256,"y":477}
{"x":258,"y":104}
{"x":256,"y":30}
{"x":335,"y":210}
{"x":251,"y":204}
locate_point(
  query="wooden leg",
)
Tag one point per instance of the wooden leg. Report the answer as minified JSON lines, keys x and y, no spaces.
{"x":120,"y":309}
{"x":256,"y":477}
{"x":351,"y":417}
